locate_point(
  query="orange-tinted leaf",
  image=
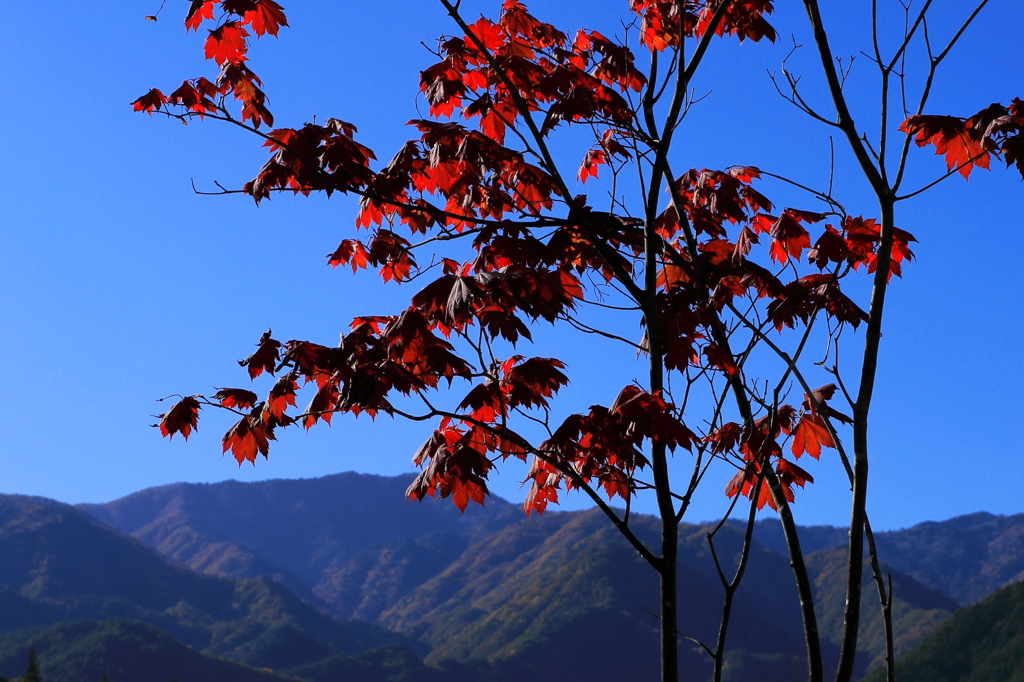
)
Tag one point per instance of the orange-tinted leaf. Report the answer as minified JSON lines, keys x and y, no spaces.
{"x":245,"y":440}
{"x":322,"y":405}
{"x":281,"y":396}
{"x":485,"y":402}
{"x":809,"y":436}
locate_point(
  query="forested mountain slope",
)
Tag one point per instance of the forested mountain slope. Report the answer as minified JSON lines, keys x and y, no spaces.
{"x":492,"y":588}
{"x":85,"y":651}
{"x":981,"y":643}
{"x":61,"y":564}
{"x":967,"y":557}
{"x":301,"y":533}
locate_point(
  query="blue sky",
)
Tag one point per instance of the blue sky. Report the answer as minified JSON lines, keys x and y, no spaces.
{"x":119,"y":285}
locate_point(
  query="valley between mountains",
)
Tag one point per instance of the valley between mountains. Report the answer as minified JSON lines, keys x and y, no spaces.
{"x":339,"y":578}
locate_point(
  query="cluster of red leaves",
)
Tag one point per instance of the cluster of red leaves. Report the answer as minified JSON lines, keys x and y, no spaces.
{"x":496,"y":70}
{"x":715,"y":203}
{"x":758,"y":446}
{"x":456,"y":458}
{"x":324,"y":157}
{"x":458,"y":178}
{"x":663,"y":23}
{"x":996,"y":131}
{"x":605,"y":445}
{"x":227,"y":46}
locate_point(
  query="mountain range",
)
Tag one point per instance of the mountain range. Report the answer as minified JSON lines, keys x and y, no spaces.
{"x":340,"y":578}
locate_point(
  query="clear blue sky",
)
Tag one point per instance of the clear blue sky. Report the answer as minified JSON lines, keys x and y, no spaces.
{"x":118,"y":285}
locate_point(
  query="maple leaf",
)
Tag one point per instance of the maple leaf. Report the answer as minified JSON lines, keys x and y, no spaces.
{"x":721,"y":360}
{"x":256,"y":111}
{"x":745,"y":173}
{"x":485,"y":402}
{"x":531,"y":382}
{"x":266,"y":17}
{"x":265,"y":358}
{"x":725,"y":438}
{"x":952,"y":137}
{"x":281,"y":396}
{"x":246,"y":440}
{"x":741,"y":482}
{"x":194,"y":98}
{"x":238,"y":7}
{"x":199,"y":11}
{"x":235,"y":397}
{"x":789,"y":238}
{"x":809,"y":436}
{"x":322,"y":405}
{"x":789,"y":475}
{"x":181,"y":418}
{"x":744,"y":242}
{"x":152,"y":100}
{"x":456,"y":466}
{"x":490,"y":35}
{"x":831,"y":247}
{"x":824,"y":393}
{"x":226,"y":43}
{"x":592,"y":159}
{"x":745,"y":20}
{"x":543,"y":490}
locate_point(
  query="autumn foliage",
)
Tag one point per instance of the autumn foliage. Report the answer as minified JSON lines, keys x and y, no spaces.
{"x":533,"y":242}
{"x":708,"y":266}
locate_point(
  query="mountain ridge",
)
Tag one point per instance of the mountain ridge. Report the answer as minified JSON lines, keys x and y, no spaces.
{"x":61,"y":564}
{"x":491,"y":588}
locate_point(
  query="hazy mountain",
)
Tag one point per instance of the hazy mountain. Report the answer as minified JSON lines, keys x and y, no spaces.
{"x":301,"y":533}
{"x":981,"y":643}
{"x":500,"y":593}
{"x":61,"y":564}
{"x":966,"y":557}
{"x":568,"y":599}
{"x":916,"y":609}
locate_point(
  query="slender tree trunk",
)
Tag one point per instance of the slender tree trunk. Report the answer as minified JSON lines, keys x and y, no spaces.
{"x":885,"y":599}
{"x":858,"y":507}
{"x":659,"y":457}
{"x":812,"y":640}
{"x":669,"y":601}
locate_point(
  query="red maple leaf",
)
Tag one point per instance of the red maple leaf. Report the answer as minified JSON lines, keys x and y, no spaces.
{"x":226,"y":43}
{"x":245,"y":440}
{"x":181,"y":418}
{"x":199,"y":11}
{"x":265,"y":357}
{"x":236,"y":397}
{"x":152,"y":100}
{"x":592,"y":159}
{"x":810,"y":435}
{"x":952,"y":137}
{"x":266,"y":17}
{"x":789,"y":238}
{"x":281,"y":396}
{"x":831,"y":247}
